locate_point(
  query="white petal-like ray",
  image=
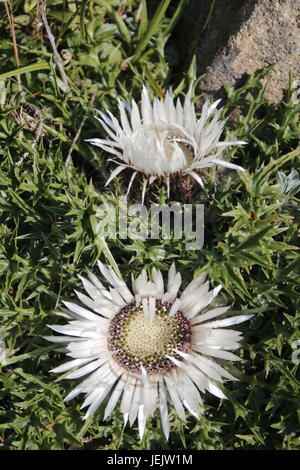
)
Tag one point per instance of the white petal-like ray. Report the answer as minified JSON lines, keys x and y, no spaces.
{"x":135,"y":116}
{"x":131,"y":181}
{"x":163,"y":407}
{"x":70,"y":365}
{"x":212,"y":388}
{"x":116,"y":282}
{"x":174,"y":283}
{"x":114,"y":397}
{"x":150,"y":397}
{"x":219,"y":353}
{"x":115,"y":173}
{"x":95,"y":288}
{"x":83,"y":331}
{"x":175,"y":307}
{"x":216,"y":312}
{"x":87,"y":369}
{"x":124,"y":119}
{"x":227,"y":164}
{"x":137,"y":398}
{"x":106,"y":147}
{"x":126,"y":401}
{"x":141,"y":420}
{"x":97,"y":400}
{"x":228,"y":321}
{"x":193,"y":285}
{"x":175,"y":399}
{"x":82,"y":312}
{"x":197,"y":178}
{"x":62,"y":339}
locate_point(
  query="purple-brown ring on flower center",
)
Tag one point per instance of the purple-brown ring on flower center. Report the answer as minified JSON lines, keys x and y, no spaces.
{"x":140,"y":341}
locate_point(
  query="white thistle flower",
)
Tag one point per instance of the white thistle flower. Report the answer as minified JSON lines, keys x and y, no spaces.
{"x":149,"y":348}
{"x":164,"y":138}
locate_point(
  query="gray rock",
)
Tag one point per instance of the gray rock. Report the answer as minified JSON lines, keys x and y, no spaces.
{"x":244,"y":36}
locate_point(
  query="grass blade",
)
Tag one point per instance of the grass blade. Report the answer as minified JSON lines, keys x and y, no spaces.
{"x":176,"y":16}
{"x":26,"y":69}
{"x":152,"y":28}
{"x":117,"y":18}
{"x":143,"y":20}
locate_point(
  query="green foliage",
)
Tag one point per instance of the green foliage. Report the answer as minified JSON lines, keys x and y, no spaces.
{"x":49,"y":200}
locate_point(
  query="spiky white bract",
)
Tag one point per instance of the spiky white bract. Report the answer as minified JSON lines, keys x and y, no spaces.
{"x":149,"y":348}
{"x":164,"y":138}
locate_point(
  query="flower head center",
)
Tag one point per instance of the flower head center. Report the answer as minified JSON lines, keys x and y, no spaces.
{"x":139,"y":340}
{"x":168,"y":148}
{"x":144,"y":337}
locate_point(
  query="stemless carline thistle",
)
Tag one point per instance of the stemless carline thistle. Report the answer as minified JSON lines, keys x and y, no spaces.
{"x":164,"y":139}
{"x":147,"y":348}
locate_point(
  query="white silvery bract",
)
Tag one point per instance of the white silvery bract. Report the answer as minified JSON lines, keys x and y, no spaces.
{"x":164,"y":138}
{"x":149,"y":348}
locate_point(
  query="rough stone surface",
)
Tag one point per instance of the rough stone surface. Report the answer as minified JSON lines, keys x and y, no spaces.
{"x":244,"y":36}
